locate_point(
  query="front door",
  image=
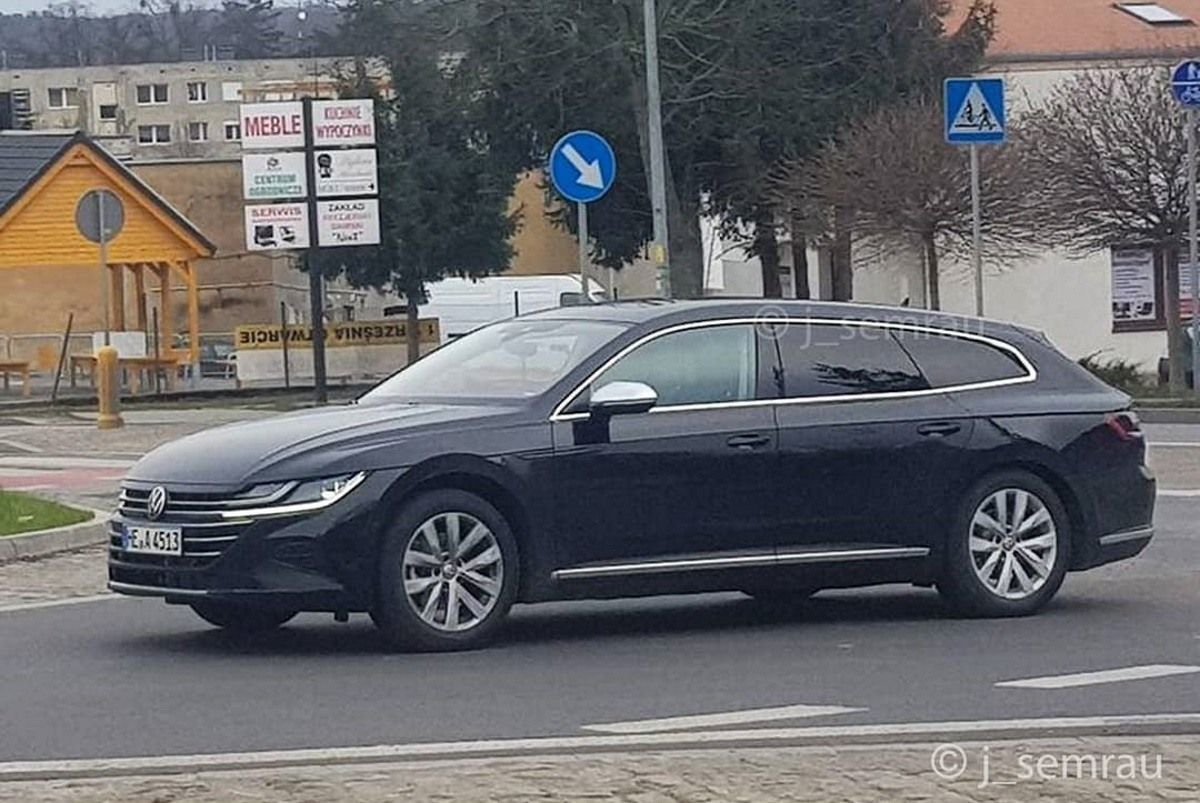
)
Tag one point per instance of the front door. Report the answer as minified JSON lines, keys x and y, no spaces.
{"x":688,"y":480}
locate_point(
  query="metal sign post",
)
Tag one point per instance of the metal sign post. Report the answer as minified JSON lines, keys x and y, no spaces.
{"x":975,"y":115}
{"x":100,"y":216}
{"x":1185,"y":86}
{"x":583,"y":168}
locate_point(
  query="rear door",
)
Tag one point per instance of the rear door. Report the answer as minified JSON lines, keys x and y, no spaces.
{"x":866,"y":445}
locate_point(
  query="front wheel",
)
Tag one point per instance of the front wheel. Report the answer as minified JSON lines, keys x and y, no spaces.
{"x":238,"y":618}
{"x":448,"y":573}
{"x":1008,"y":549}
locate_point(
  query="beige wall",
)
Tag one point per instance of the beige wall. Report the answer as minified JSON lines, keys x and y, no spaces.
{"x":541,"y":247}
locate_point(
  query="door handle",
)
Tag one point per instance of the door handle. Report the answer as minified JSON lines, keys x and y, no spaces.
{"x":748,"y":442}
{"x":939,"y":429}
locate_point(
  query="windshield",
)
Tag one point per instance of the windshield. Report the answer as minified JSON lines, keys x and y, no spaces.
{"x":515,"y":359}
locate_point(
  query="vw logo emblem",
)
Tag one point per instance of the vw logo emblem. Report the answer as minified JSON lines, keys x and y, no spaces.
{"x":157,"y":502}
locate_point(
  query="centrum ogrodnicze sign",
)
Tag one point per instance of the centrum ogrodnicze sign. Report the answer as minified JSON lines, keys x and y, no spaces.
{"x":337,"y":335}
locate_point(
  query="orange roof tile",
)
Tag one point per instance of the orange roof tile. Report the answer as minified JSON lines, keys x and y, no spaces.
{"x":1054,"y":29}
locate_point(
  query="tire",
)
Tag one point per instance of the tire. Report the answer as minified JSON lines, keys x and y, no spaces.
{"x":1016,"y":569}
{"x":431,"y":600}
{"x":238,"y":618}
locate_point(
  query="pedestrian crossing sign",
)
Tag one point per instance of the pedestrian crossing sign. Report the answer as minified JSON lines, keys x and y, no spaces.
{"x":975,"y":112}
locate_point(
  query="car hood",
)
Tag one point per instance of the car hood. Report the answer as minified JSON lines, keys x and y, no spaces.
{"x":320,"y":442}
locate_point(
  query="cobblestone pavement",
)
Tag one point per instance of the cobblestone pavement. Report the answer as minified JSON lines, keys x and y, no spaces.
{"x":73,"y":574}
{"x":1072,"y":770}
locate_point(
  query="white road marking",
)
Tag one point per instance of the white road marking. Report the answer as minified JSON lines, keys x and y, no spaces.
{"x":823,"y":735}
{"x":58,"y":603}
{"x":1174,"y":444}
{"x":1187,"y":493}
{"x":20,"y":447}
{"x":1104,"y":676}
{"x":719,"y":720}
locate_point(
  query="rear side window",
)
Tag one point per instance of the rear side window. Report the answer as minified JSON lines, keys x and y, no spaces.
{"x":842,"y":359}
{"x":948,"y":361}
{"x":712,"y":364}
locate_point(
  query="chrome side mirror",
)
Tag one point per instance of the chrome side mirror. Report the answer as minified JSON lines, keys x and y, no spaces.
{"x":622,"y":398}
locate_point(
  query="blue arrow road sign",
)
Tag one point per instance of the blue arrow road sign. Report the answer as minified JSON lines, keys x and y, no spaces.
{"x":583,"y":167}
{"x":1185,"y":84}
{"x":975,"y":113}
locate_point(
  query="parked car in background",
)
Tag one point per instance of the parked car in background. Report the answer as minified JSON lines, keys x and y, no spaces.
{"x":653,"y":447}
{"x":464,"y":305}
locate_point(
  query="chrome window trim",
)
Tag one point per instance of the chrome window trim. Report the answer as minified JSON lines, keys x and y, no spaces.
{"x":1013,"y":351}
{"x":737,"y":561}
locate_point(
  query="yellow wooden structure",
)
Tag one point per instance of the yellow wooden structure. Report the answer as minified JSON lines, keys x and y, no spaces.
{"x":37,"y":230}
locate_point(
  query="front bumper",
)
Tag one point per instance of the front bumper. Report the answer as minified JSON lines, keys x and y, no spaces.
{"x":321,"y":561}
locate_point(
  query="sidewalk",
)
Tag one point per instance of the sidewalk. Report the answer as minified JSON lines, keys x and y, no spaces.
{"x":890,"y":773}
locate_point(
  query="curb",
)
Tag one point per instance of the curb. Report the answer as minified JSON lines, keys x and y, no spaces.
{"x":60,"y":539}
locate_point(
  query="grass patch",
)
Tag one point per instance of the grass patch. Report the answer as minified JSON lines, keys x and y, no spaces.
{"x":22,"y":513}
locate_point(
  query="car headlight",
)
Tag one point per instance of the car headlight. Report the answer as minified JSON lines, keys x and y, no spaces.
{"x":304,"y":496}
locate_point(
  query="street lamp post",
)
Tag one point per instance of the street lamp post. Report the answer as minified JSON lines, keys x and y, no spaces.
{"x":658,"y":188}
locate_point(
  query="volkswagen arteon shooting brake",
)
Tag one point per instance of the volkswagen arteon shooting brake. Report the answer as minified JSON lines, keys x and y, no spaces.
{"x":652,"y":447}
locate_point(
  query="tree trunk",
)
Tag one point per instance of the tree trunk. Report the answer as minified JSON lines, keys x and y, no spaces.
{"x":766,"y":248}
{"x":840,"y":259}
{"x":932,"y":279}
{"x":800,"y":261}
{"x":412,"y":331}
{"x":1176,"y":348}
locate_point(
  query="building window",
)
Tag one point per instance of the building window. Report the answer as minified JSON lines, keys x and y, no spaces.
{"x":233,"y":131}
{"x":197,"y":92}
{"x":63,"y":97}
{"x":231,"y":91}
{"x":151,"y":94}
{"x":108,"y":111}
{"x":198,"y":132}
{"x":154,"y":134}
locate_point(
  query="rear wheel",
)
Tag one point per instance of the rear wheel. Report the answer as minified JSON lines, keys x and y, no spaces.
{"x":1008,"y":549}
{"x":239,"y":618}
{"x":448,"y":573}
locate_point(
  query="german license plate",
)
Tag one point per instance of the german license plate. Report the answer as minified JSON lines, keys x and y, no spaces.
{"x":153,"y":540}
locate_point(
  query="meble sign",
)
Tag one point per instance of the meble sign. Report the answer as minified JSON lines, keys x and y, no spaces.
{"x":272,"y":125}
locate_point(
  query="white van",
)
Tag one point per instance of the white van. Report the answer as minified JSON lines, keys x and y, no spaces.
{"x":463,"y":305}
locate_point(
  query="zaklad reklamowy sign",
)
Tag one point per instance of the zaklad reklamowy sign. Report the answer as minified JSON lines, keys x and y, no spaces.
{"x":349,"y":222}
{"x":272,"y":176}
{"x":355,"y":333}
{"x":272,"y":125}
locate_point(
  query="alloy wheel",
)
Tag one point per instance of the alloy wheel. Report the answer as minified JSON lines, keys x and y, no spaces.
{"x":1013,"y":543}
{"x":453,"y":571}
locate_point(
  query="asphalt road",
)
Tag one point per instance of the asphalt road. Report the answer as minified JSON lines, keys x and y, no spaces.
{"x":135,"y":677}
{"x":121,"y":677}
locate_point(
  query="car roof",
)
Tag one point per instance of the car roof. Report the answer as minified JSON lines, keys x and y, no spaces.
{"x":664,"y":311}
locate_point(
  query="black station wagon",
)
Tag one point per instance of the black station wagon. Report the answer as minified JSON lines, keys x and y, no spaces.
{"x":653,"y":447}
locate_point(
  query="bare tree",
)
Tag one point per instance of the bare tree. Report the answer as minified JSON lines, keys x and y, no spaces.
{"x":893,"y":177}
{"x":1109,"y":148}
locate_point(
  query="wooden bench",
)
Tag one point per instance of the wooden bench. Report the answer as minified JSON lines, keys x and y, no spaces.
{"x":131,"y":368}
{"x":16,"y":367}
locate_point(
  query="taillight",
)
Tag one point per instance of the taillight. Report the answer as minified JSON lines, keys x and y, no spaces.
{"x":1125,"y":424}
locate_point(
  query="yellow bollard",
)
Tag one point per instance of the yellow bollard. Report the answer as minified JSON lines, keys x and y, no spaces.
{"x":108,"y":389}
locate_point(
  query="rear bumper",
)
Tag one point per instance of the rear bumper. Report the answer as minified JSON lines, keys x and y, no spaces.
{"x":1120,"y":545}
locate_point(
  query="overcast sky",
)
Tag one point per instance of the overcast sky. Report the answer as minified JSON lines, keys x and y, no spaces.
{"x":98,"y":6}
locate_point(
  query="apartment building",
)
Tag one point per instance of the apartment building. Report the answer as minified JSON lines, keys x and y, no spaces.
{"x":152,"y":112}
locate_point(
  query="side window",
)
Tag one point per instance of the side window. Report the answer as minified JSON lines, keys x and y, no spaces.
{"x":947,"y":361}
{"x":843,"y":359}
{"x":695,"y":366}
